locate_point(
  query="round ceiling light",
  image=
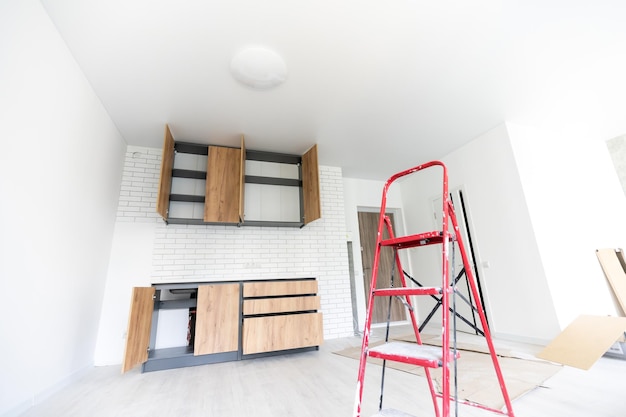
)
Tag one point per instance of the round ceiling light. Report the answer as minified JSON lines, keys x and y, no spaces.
{"x":259,"y":68}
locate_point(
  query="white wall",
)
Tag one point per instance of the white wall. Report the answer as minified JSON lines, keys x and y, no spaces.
{"x":577,"y":205}
{"x":130,"y":264}
{"x":518,"y":300}
{"x":60,"y":168}
{"x":540,"y":203}
{"x":617,"y":150}
{"x":147,"y":251}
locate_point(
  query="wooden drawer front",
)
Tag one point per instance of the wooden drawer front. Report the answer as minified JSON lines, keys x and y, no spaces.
{"x":266,"y":334}
{"x":264,"y":289}
{"x":281,"y":305}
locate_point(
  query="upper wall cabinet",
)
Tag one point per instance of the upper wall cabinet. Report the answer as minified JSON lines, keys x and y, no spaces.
{"x":207,"y":184}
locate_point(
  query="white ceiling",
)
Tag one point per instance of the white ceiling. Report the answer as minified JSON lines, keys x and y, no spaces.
{"x":379,"y":85}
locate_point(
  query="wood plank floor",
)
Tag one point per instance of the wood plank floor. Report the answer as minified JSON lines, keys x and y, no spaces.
{"x":315,"y":384}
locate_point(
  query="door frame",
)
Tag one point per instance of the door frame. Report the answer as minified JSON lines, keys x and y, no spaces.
{"x":464,"y":220}
{"x":359,"y":288}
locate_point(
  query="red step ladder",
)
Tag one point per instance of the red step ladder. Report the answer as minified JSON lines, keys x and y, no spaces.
{"x":418,"y":354}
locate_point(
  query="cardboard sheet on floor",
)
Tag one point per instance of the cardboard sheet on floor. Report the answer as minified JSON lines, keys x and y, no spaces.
{"x":611,"y":262}
{"x":476,"y":378}
{"x":584,"y":341}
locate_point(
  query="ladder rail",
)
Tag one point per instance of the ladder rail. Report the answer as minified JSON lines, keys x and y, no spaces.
{"x":370,"y":303}
{"x":445,"y":299}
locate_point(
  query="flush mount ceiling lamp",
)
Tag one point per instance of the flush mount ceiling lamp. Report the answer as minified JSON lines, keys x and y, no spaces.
{"x":259,"y":68}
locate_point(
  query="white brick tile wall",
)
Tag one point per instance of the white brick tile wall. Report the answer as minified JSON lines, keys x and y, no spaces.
{"x":213,"y":253}
{"x":140,"y":181}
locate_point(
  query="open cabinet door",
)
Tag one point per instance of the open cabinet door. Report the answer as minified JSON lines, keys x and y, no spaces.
{"x":311,"y":186}
{"x":242,"y":180}
{"x":165,"y":180}
{"x":138,"y":333}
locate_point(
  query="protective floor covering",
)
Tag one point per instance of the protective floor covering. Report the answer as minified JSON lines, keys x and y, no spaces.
{"x":477,"y":380}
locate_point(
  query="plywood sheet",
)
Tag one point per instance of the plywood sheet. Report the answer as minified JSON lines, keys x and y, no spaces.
{"x":584,"y":341}
{"x":614,"y":272}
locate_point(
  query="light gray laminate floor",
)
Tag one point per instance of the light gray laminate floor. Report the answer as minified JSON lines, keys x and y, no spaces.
{"x":312,"y":384}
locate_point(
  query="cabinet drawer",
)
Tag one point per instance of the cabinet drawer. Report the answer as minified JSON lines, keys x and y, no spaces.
{"x":274,"y":288}
{"x":281,"y":305}
{"x":266,"y":334}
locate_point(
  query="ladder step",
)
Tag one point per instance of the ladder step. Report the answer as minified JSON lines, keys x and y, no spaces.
{"x":389,"y":412}
{"x":411,"y":241}
{"x":412,"y":353}
{"x":400,"y":291}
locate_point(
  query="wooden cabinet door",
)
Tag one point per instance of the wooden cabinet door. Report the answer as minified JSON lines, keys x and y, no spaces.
{"x":217,"y":319}
{"x":311,"y":186}
{"x":223,"y":183}
{"x":139,"y":322}
{"x":165,"y":180}
{"x":242,"y":178}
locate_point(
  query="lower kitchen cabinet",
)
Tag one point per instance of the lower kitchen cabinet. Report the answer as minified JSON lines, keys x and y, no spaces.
{"x":272,"y":333}
{"x":227,"y":321}
{"x":280,"y":315}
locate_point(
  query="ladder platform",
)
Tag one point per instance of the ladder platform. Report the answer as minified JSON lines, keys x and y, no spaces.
{"x":412,"y":353}
{"x":400,"y":291}
{"x":411,"y":241}
{"x":390,"y":412}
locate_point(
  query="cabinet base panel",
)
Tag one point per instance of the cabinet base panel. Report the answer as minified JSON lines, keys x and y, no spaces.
{"x":158,"y":362}
{"x":279,"y":352}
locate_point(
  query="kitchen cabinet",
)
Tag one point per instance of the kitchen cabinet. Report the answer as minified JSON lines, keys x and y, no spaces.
{"x":227,"y":321}
{"x":280,"y":315}
{"x":209,"y":184}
